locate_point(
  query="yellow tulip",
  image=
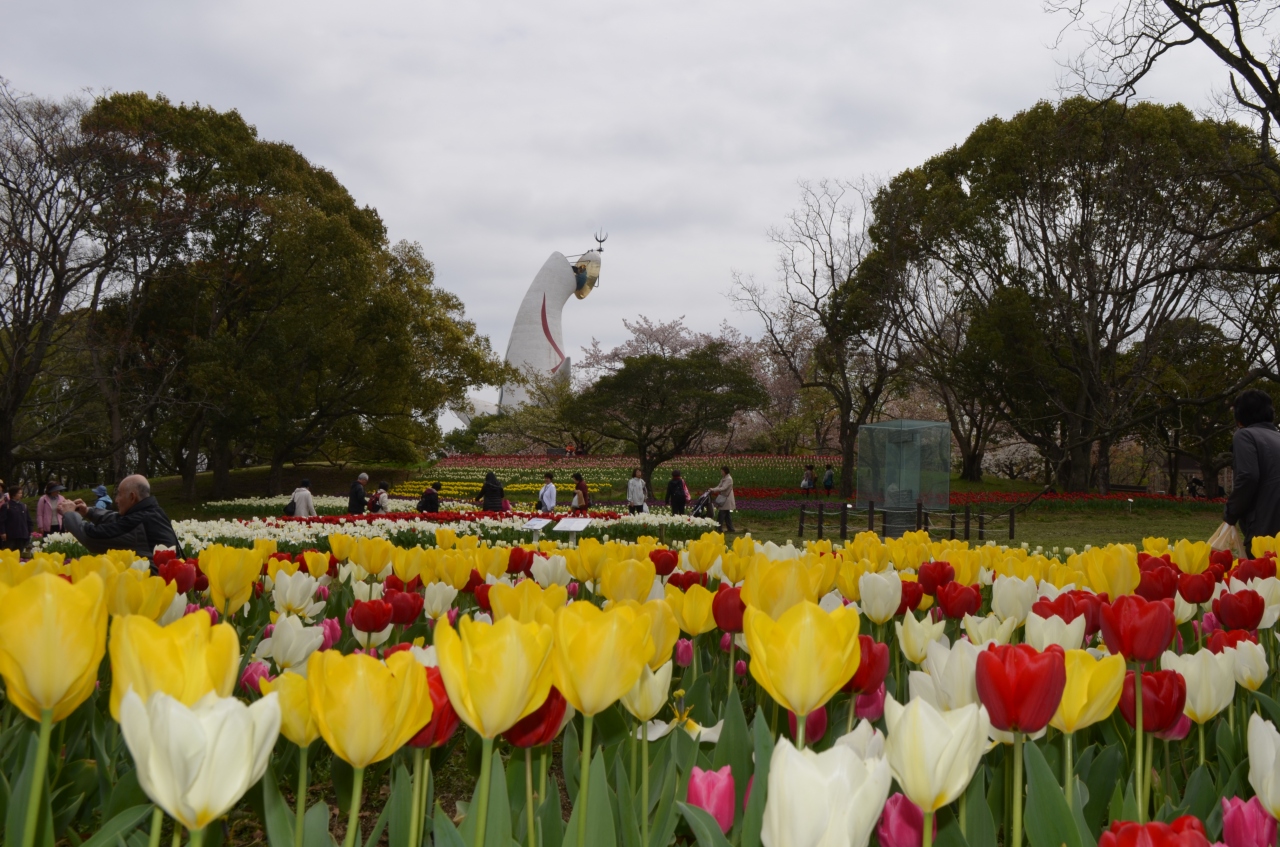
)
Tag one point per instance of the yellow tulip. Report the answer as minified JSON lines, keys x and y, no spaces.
{"x":138,"y":593}
{"x":232,"y":571}
{"x":492,"y":561}
{"x":454,"y":568}
{"x":276,"y":566}
{"x":14,"y":571}
{"x":1111,"y":569}
{"x":587,"y":560}
{"x":365,"y":709}
{"x":804,"y":657}
{"x":1191,"y":556}
{"x":734,"y":564}
{"x":776,"y":586}
{"x":446,"y":538}
{"x":847,"y":577}
{"x":1092,"y":692}
{"x":52,"y":638}
{"x":692,"y":608}
{"x":341,"y":546}
{"x":466,"y":543}
{"x":495,"y":673}
{"x":296,"y":720}
{"x":663,"y":629}
{"x":416,"y":562}
{"x":527,"y":602}
{"x":317,"y":563}
{"x":265,"y":547}
{"x":374,"y":554}
{"x":630,"y":579}
{"x":704,"y":552}
{"x":186,"y":659}
{"x":599,"y":654}
{"x":1155,"y":546}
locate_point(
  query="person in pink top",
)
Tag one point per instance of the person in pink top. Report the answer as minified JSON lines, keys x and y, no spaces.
{"x":47,"y":517}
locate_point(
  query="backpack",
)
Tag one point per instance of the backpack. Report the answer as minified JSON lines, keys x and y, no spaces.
{"x":375,"y":502}
{"x":291,"y":508}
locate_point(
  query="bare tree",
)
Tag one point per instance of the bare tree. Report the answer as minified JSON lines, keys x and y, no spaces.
{"x":832,"y":326}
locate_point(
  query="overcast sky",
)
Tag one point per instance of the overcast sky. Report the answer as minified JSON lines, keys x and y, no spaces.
{"x":494,"y":133}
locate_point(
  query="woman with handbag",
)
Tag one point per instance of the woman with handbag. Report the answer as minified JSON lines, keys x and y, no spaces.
{"x":581,"y":496}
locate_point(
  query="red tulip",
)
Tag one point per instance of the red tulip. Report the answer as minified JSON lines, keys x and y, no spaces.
{"x":1137,"y":629}
{"x":1064,"y":606}
{"x":444,"y":720}
{"x":664,"y":561}
{"x":395,"y":583}
{"x":686,"y":579}
{"x":1240,"y":610}
{"x":1164,"y":694}
{"x":1196,"y":588}
{"x":1146,"y":560}
{"x":1222,"y":558}
{"x":482,"y":597}
{"x":727,"y":608}
{"x":815,"y":725}
{"x":178,"y":571}
{"x":475,"y":580}
{"x":872,"y":669}
{"x":1158,"y":584}
{"x":371,"y":615}
{"x":162,"y":556}
{"x":934,"y":575}
{"x":520,"y":561}
{"x":405,"y":607}
{"x":958,"y":600}
{"x":1221,"y":639}
{"x":1186,"y":831}
{"x":1255,"y":569}
{"x":912,"y":594}
{"x":1020,"y":686}
{"x":1090,"y":605}
{"x":540,"y":726}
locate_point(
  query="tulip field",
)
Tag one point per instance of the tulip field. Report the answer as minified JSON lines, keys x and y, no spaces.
{"x":473,"y":691}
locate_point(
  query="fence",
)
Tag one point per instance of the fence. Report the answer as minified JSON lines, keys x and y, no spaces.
{"x":967,"y":525}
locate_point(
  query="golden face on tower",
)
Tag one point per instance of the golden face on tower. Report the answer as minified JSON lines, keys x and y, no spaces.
{"x":586,"y":273}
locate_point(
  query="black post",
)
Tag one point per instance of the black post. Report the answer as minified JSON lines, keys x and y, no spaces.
{"x":982,"y":525}
{"x":820,"y":515}
{"x":1012,"y":513}
{"x":919,"y":515}
{"x":953,"y":526}
{"x":800,"y":533}
{"x":844,"y":521}
{"x":884,"y":524}
{"x":871,"y":516}
{"x":966,"y":522}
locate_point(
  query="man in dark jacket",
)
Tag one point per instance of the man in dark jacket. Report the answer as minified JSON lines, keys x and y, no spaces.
{"x":1254,"y":504}
{"x":140,"y":525}
{"x":430,"y":500}
{"x":356,"y":499}
{"x":15,"y":522}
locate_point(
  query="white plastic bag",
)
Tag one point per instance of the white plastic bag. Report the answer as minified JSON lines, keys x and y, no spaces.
{"x":1228,"y":537}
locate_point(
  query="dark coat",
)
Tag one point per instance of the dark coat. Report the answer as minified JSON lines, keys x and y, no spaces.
{"x":675,"y":493}
{"x":356,"y":499}
{"x":141,"y":529}
{"x":430,"y":501}
{"x":15,"y":521}
{"x":491,"y":495}
{"x":1254,"y":503}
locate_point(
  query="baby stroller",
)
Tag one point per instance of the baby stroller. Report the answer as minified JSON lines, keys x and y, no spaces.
{"x":702,"y":507}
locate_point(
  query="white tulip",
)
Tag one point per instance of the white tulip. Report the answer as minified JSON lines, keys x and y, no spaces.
{"x":1269,"y":590}
{"x":176,"y":610}
{"x":830,"y":798}
{"x":983,"y":631}
{"x":426,"y":656}
{"x":831,"y":601}
{"x":1210,"y":679}
{"x":914,"y":635}
{"x":1264,"y":763}
{"x":196,"y":762}
{"x":367,"y":591}
{"x":933,"y":754}
{"x":949,"y":680}
{"x":1049,"y":591}
{"x":1012,"y":598}
{"x":881,"y":595}
{"x":1249,"y":663}
{"x":865,"y":740}
{"x":647,"y":697}
{"x":372,"y":639}
{"x":552,"y":570}
{"x":290,"y":644}
{"x":293,"y":595}
{"x":1041,"y":632}
{"x":438,"y":599}
{"x":1182,"y":610}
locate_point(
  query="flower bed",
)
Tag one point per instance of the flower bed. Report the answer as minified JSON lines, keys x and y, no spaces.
{"x":708,"y":692}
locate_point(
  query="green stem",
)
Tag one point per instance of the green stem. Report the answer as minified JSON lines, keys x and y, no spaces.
{"x":301,"y":814}
{"x":697,"y":663}
{"x":177,"y":835}
{"x":644,"y":778}
{"x":157,"y":819}
{"x":634,"y":752}
{"x":1168,"y":771}
{"x":353,"y":821}
{"x":528,"y":793}
{"x":928,"y":830}
{"x":853,"y":707}
{"x":584,"y":775}
{"x":422,"y":800}
{"x":1017,"y":791}
{"x":197,"y":838}
{"x":1138,"y":747}
{"x":1148,"y":761}
{"x":964,"y":812}
{"x":800,"y":731}
{"x":482,"y":798}
{"x":729,"y":690}
{"x":1068,"y":771}
{"x":37,"y":779}
{"x":542,"y":773}
{"x":1200,"y":729}
{"x":415,"y":805}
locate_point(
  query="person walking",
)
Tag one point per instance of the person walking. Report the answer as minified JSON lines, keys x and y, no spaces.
{"x":807,"y":481}
{"x":547,"y":496}
{"x":723,"y":498}
{"x":677,"y":493}
{"x":637,"y":493}
{"x":356,"y":499}
{"x":15,"y":521}
{"x":47,"y":517}
{"x":581,"y":495}
{"x":104,"y":499}
{"x":379,"y":499}
{"x":829,"y":479}
{"x":1254,"y":504}
{"x":491,"y":493}
{"x":304,"y":505}
{"x":429,"y":502}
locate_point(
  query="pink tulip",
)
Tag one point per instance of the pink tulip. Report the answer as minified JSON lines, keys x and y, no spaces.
{"x":332,"y":632}
{"x":267,"y":630}
{"x":1247,"y":824}
{"x":322,"y":591}
{"x":746,"y":798}
{"x":815,"y":725}
{"x":870,"y":706}
{"x":453,"y":616}
{"x":253,"y":676}
{"x":713,"y":792}
{"x":572,"y":590}
{"x":1177,"y":732}
{"x":902,"y":823}
{"x":740,"y":668}
{"x":725,"y":641}
{"x":684,"y":652}
{"x":1208,"y":624}
{"x":213,"y":613}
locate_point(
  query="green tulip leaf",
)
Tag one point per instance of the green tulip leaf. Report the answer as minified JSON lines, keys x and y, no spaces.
{"x":16,"y":817}
{"x":753,"y":818}
{"x":127,"y":794}
{"x":1048,"y":821}
{"x":734,"y":747}
{"x":1200,"y":796}
{"x":601,"y":830}
{"x":119,"y":826}
{"x":1103,"y":780}
{"x":704,"y":827}
{"x":277,"y":815}
{"x":665,"y":817}
{"x":551,"y":817}
{"x":951,"y":835}
{"x":1271,"y":707}
{"x":1077,"y":812}
{"x":1226,"y":750}
{"x":979,"y":826}
{"x":315,"y":826}
{"x":446,"y":834}
{"x":571,"y":751}
{"x":497,"y":829}
{"x":400,"y":808}
{"x":628,"y":821}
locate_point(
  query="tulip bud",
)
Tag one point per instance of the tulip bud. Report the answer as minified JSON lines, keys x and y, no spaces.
{"x":740,"y":668}
{"x":713,"y":792}
{"x":332,"y":632}
{"x":815,"y":725}
{"x":870,"y":706}
{"x":254,"y":674}
{"x":1247,"y":824}
{"x":728,"y":608}
{"x":571,"y":588}
{"x":934,"y":575}
{"x":1240,"y":609}
{"x":725,"y":641}
{"x":902,"y":823}
{"x":684,"y":652}
{"x":664,"y":561}
{"x":542,"y":725}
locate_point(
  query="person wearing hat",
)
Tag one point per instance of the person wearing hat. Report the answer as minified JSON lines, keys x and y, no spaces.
{"x":104,"y":500}
{"x":47,"y":517}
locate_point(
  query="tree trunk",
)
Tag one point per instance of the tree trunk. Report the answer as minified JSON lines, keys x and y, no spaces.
{"x":220,"y":464}
{"x":970,"y":464}
{"x":848,"y":458}
{"x":1102,"y":472}
{"x":191,"y":459}
{"x":275,"y":481}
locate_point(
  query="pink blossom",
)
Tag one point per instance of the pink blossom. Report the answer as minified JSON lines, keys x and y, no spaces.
{"x":332,"y":632}
{"x":725,"y":641}
{"x":572,"y":589}
{"x":902,"y":823}
{"x":870,"y":706}
{"x":322,"y":591}
{"x":1247,"y":824}
{"x":1178,"y":731}
{"x":684,"y":652}
{"x":213,"y":613}
{"x":740,"y":668}
{"x":815,"y":725}
{"x":267,"y":630}
{"x":713,"y":792}
{"x":253,"y":675}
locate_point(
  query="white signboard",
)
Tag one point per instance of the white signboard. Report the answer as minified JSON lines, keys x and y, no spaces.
{"x":572,"y":525}
{"x":536,"y":524}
